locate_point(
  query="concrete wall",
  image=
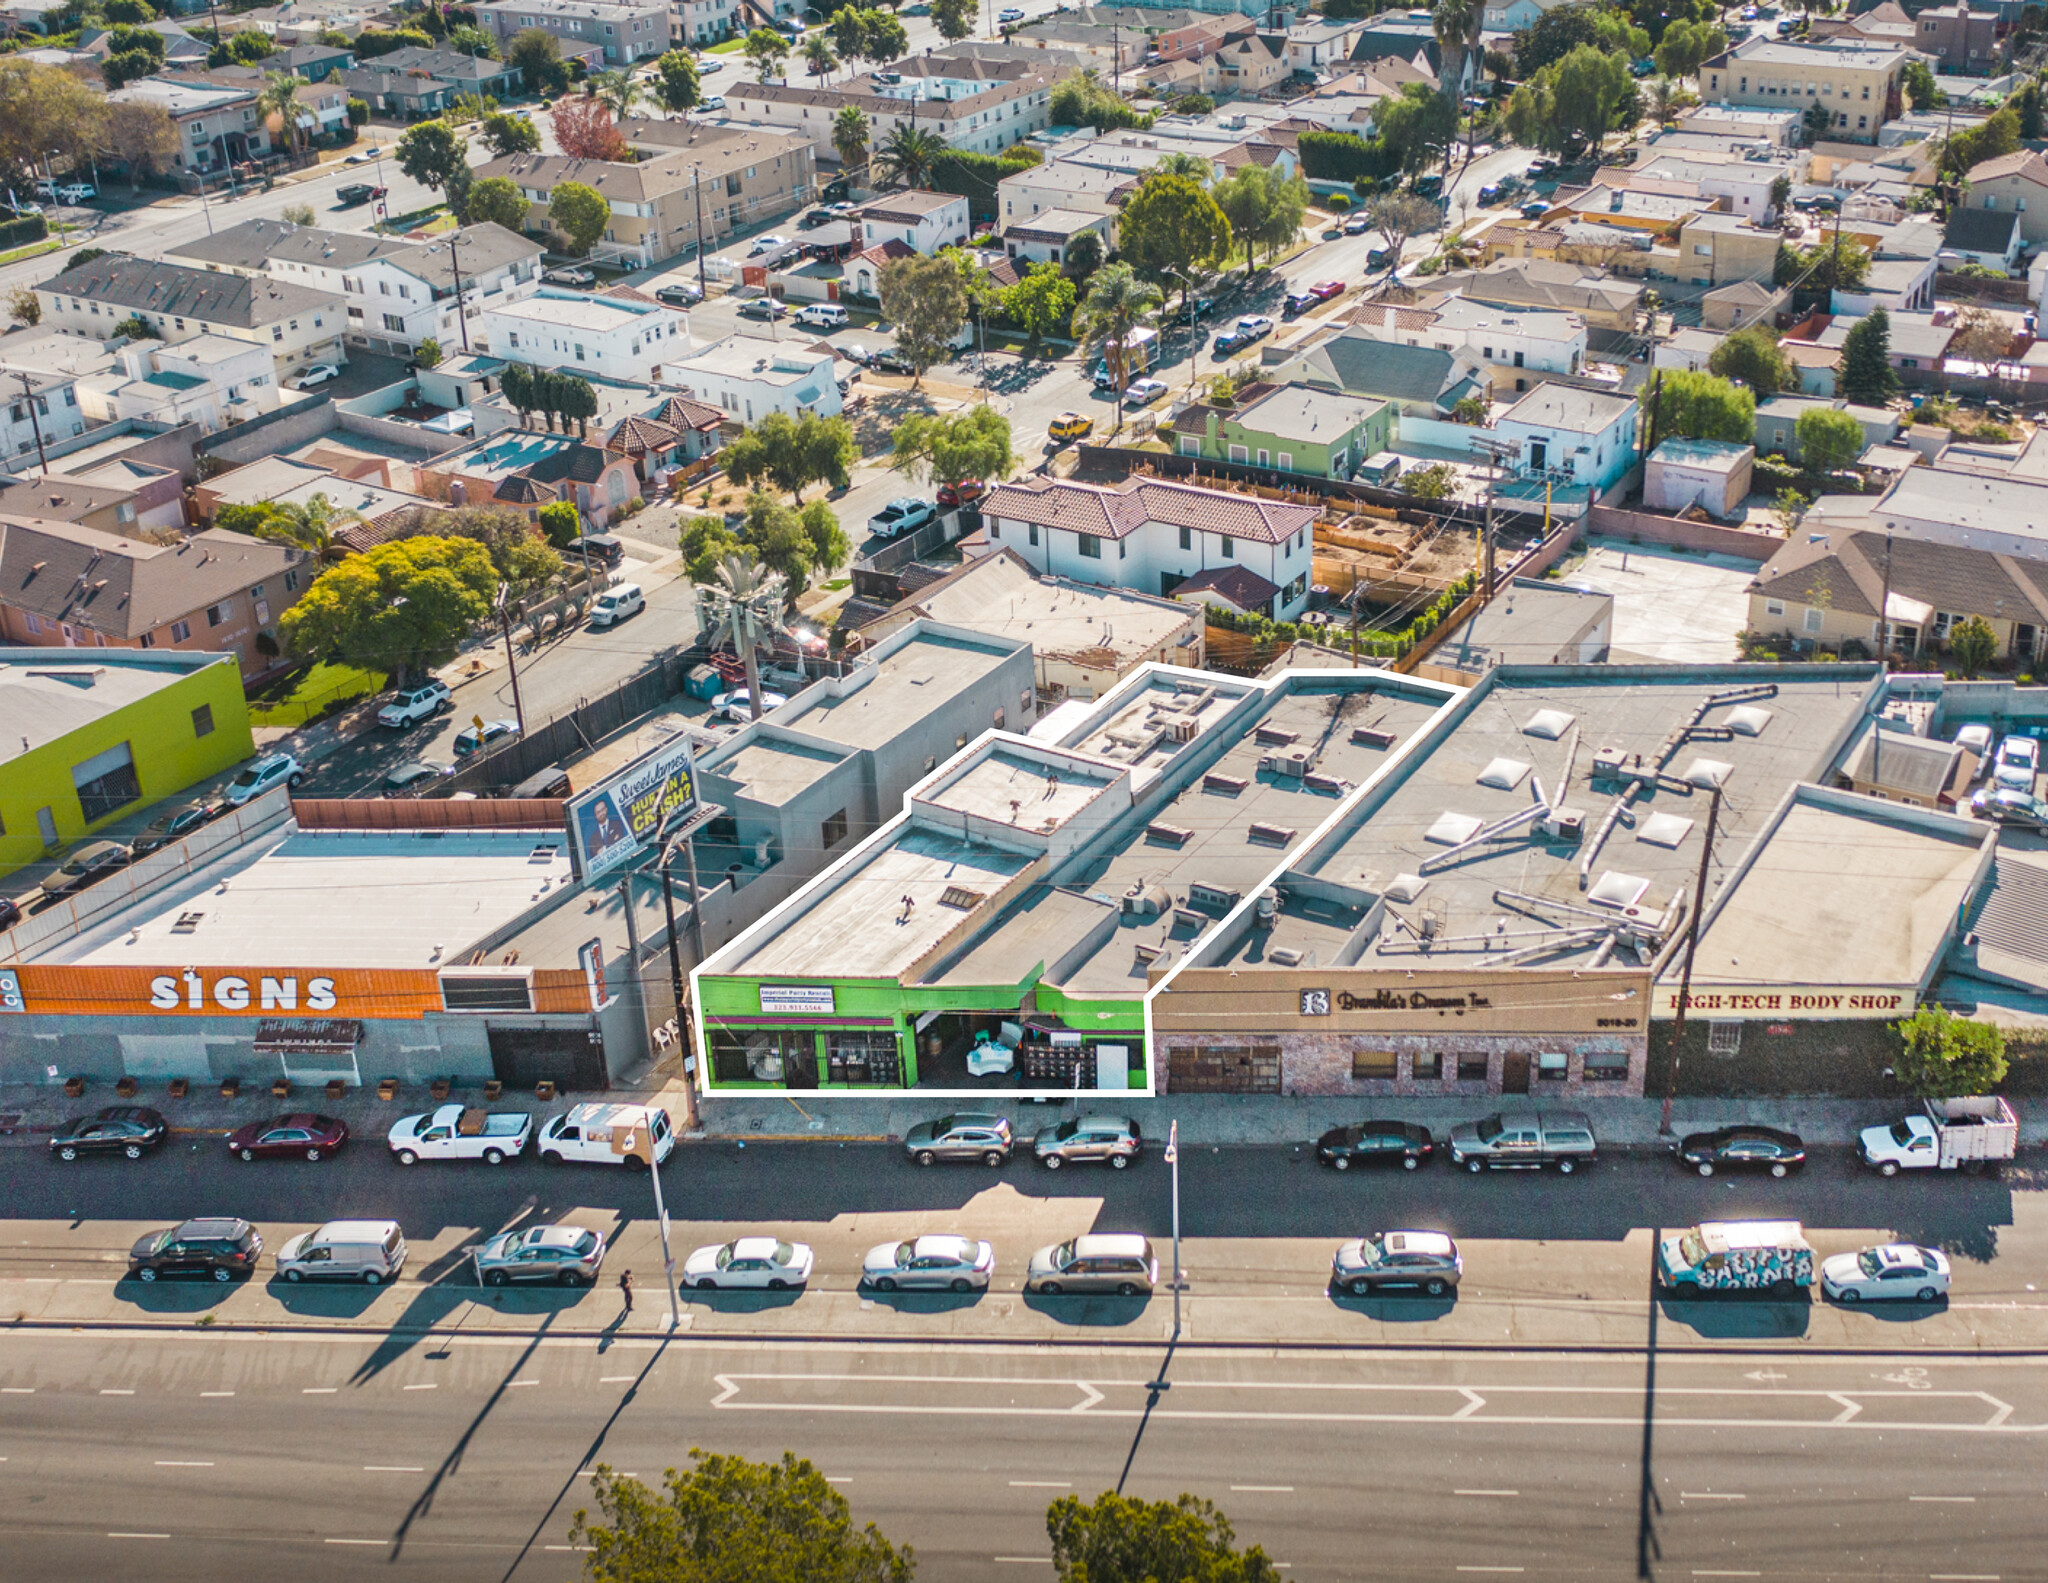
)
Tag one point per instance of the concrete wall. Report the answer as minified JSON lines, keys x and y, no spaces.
{"x":1641,"y":527}
{"x":274,"y":433}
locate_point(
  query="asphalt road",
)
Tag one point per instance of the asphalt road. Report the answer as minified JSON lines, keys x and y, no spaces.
{"x":179,"y":1458}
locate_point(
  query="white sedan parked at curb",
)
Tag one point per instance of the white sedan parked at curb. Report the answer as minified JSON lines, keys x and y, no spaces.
{"x":1892,"y":1270}
{"x":751,"y":1262}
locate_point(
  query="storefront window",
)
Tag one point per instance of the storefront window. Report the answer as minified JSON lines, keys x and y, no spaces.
{"x":1429,"y":1068}
{"x":1553,"y":1066}
{"x":1606,"y":1066}
{"x":863,"y":1055}
{"x":1375,"y":1065}
{"x":1472,"y":1069}
{"x":765,"y":1055}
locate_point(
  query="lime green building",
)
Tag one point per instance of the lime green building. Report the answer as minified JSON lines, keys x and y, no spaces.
{"x":93,"y":734}
{"x":1290,"y":428}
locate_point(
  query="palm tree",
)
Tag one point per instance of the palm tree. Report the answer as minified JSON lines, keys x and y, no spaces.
{"x":818,"y":55}
{"x":1192,"y":166}
{"x":908,"y":156}
{"x":850,"y":138}
{"x":1117,"y":303}
{"x":1457,"y":24}
{"x":619,"y":89}
{"x":281,"y":98}
{"x":743,"y":608}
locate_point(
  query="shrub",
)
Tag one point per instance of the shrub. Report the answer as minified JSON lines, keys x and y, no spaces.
{"x":1337,"y":202}
{"x":19,"y":233}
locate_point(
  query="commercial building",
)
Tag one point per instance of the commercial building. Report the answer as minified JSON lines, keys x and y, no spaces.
{"x":616,"y":336}
{"x":625,"y":32}
{"x":1856,"y":81}
{"x":93,"y":736}
{"x":1533,"y":623}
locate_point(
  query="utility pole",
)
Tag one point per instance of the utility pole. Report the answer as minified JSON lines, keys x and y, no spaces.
{"x":29,"y":398}
{"x":1692,"y":941}
{"x":1884,"y":609}
{"x":1495,"y":452}
{"x":1173,"y":1164}
{"x":461,"y":321}
{"x":697,"y":192}
{"x":511,"y":660}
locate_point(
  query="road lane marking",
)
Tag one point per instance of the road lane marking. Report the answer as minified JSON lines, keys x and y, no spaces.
{"x":1026,"y":1561}
{"x":373,"y":1467}
{"x":513,"y":1385}
{"x":1489,"y":1569}
{"x":138,"y":1536}
{"x":17,"y":1390}
{"x":1708,"y":1495}
{"x":117,"y":1393}
{"x":1703,"y":1572}
{"x":184,"y":1464}
{"x":570,"y":1547}
{"x":1263,"y":1489}
{"x":1041,"y":1484}
{"x":319,"y":1390}
{"x":617,"y":1379}
{"x":352,"y":1541}
{"x":1505,"y":1494}
{"x":429,"y":1387}
{"x":216,"y":1393}
{"x":1944,"y":1500}
{"x":1963,"y":1577}
{"x":829,"y":1479}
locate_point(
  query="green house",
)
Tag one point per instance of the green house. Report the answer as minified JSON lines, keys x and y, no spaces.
{"x":1289,"y":428}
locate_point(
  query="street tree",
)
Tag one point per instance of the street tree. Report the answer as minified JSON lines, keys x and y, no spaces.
{"x":906,"y":156}
{"x":1456,"y":24}
{"x":949,"y":448}
{"x":1246,"y":199}
{"x":497,"y":199}
{"x":795,"y":544}
{"x":1866,"y":375}
{"x":1085,"y":253}
{"x":766,"y":50}
{"x":1686,"y":45}
{"x":924,"y":299}
{"x":586,"y":129}
{"x":1040,"y":304}
{"x":885,"y":37}
{"x":580,"y":213}
{"x":792,"y":453}
{"x":396,"y":608}
{"x":617,"y":89}
{"x":46,"y":111}
{"x":678,"y":87}
{"x":1419,"y":126}
{"x":278,"y":103}
{"x":818,"y":56}
{"x":1585,"y":88}
{"x":1171,"y":229}
{"x":1828,"y":440}
{"x":850,"y":136}
{"x":1118,"y":303}
{"x":538,"y":55}
{"x":560,"y":522}
{"x":1400,"y":215}
{"x":142,"y":136}
{"x":433,"y":154}
{"x":1753,"y":357}
{"x":729,"y":1520}
{"x":849,"y":30}
{"x":1119,"y":1539}
{"x":1943,"y":1056}
{"x":510,"y":134}
{"x":954,"y":18}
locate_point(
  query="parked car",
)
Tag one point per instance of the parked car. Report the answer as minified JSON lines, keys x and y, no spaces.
{"x":1889,"y":1270}
{"x":749,"y":1262}
{"x":2019,"y":760}
{"x":1376,"y":1143}
{"x":1534,"y":209}
{"x":1089,"y":1138}
{"x":686,"y":294}
{"x":415,"y":772}
{"x":270,"y":771}
{"x":953,"y":496}
{"x":615,"y":604}
{"x":130,"y":1130}
{"x":559,"y":1255}
{"x":1419,"y":1261}
{"x":1379,"y":258}
{"x":1975,"y":740}
{"x":316,"y":376}
{"x":356,"y":193}
{"x":892,"y":362}
{"x":903,"y":515}
{"x":370,"y":1251}
{"x":76,"y":192}
{"x":302,"y":1136}
{"x":764,"y":308}
{"x":1490,"y":193}
{"x":1240,"y":335}
{"x":1357,"y":225}
{"x":1010,"y":14}
{"x":1974,"y":1132}
{"x":930,"y":1263}
{"x":1743,"y":1149}
{"x":823,"y":315}
{"x":737,"y":705}
{"x":1296,"y":302}
{"x":967,"y":1136}
{"x":1539,"y":168}
{"x":568,"y":276}
{"x":2003,"y":805}
{"x":1119,"y":1263}
{"x":10,"y":912}
{"x":1196,"y":308}
{"x":1737,"y":1256}
{"x":1563,"y":1138}
{"x":599,"y":549}
{"x":175,"y":825}
{"x":1326,"y":290}
{"x":1143,"y":392}
{"x":811,"y":221}
{"x":475,"y":739}
{"x":411,"y":705}
{"x":363,"y":156}
{"x":763,"y":244}
{"x":1070,"y":426}
{"x":460,"y":1132}
{"x":607,"y":1133}
{"x":220,"y":1246}
{"x":712,"y":101}
{"x":89,"y":865}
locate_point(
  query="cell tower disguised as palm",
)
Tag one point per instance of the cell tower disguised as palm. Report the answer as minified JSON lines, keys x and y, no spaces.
{"x":744,"y":607}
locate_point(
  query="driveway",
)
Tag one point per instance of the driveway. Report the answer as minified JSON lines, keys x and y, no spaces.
{"x":1669,"y":608}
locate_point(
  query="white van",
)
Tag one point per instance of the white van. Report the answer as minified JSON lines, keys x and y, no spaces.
{"x":370,"y":1251}
{"x":607,"y":1134}
{"x":615,"y":604}
{"x":825,"y":315}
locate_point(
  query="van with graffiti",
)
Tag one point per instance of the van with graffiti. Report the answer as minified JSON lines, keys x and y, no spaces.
{"x":1737,"y":1256}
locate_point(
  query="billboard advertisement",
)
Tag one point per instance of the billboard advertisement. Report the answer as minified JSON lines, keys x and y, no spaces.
{"x":612,"y":822}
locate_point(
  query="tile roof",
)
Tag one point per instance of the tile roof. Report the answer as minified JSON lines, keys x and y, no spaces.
{"x":123,"y":587}
{"x":1114,"y":512}
{"x":680,"y":412}
{"x":244,"y":301}
{"x":636,"y":436}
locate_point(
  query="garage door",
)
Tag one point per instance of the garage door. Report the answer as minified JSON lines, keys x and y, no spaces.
{"x":570,"y":1058}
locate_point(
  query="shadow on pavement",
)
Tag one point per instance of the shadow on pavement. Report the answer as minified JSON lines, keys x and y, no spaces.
{"x":1091,"y":1312}
{"x":922,"y":1302}
{"x":1739,"y":1315}
{"x":446,"y":1287}
{"x":733,"y":1302}
{"x":182,"y":1294}
{"x":1899,"y":1311}
{"x":324,"y":1299}
{"x":1404,"y":1309}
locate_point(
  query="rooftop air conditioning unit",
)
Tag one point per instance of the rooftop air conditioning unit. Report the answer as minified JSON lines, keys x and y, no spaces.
{"x":1184,"y":730}
{"x":1293,"y":762}
{"x":1565,"y":824}
{"x":1608,"y":763}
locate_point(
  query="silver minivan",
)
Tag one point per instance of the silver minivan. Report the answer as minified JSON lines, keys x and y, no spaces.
{"x":1123,"y":1264}
{"x":370,"y":1251}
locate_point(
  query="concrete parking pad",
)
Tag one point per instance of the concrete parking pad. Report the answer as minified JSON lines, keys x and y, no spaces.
{"x":1669,"y":608}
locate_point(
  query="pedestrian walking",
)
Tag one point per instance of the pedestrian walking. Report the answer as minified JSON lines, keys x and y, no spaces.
{"x":626,"y":1288}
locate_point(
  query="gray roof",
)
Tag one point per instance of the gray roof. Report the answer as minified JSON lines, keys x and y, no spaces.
{"x":1362,"y":366}
{"x":48,"y":693}
{"x":1981,"y":230}
{"x":1568,"y":407}
{"x":253,"y":243}
{"x":1306,"y":414}
{"x":123,"y":587}
{"x":142,"y":284}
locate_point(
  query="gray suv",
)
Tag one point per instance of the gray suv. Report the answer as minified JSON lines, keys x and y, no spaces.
{"x":962,"y":1137}
{"x":1422,"y":1261}
{"x":1111,"y":1138}
{"x":1124,"y":1265}
{"x":1563,"y":1138}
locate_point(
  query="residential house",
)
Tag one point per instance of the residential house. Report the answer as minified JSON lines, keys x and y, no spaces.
{"x":1410,"y":36}
{"x":1742,"y":303}
{"x":399,"y":95}
{"x":1247,"y":67}
{"x":2017,"y":183}
{"x":1511,"y":16}
{"x":1965,"y":43}
{"x":862,"y":274}
{"x":1967,"y":510}
{"x":1148,"y":534}
{"x":625,"y":31}
{"x":299,"y":326}
{"x":476,"y":75}
{"x":1916,"y":343}
{"x":1046,"y":238}
{"x":622,"y":336}
{"x":37,"y":409}
{"x":748,"y":378}
{"x":1041,"y":189}
{"x":1777,"y":422}
{"x":701,"y":22}
{"x":209,"y":380}
{"x":1604,"y":302}
{"x":1575,"y":437}
{"x":1513,"y":345}
{"x":66,"y":585}
{"x":922,"y":221}
{"x":314,"y":62}
{"x":724,"y":178}
{"x":1898,"y":285}
{"x":1688,"y":350}
{"x":180,"y":48}
{"x":1419,"y":381}
{"x":1237,"y":589}
{"x":1316,"y":47}
{"x":218,"y":127}
{"x":1990,"y":237}
{"x":1717,"y":249}
{"x":1857,"y":82}
{"x":1302,"y":429}
{"x":527,"y":469}
{"x":975,"y":106}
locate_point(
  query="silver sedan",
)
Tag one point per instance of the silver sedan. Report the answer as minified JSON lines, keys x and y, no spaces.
{"x":562,"y":1255}
{"x":939,"y":1263}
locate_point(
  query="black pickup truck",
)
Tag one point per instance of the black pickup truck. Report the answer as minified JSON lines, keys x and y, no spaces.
{"x":357,"y":193}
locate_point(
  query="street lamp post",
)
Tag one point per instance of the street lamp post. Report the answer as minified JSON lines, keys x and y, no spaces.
{"x":1173,"y":1165}
{"x":668,"y":1258}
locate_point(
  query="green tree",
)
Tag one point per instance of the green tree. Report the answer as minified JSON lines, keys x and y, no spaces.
{"x":619,"y":90}
{"x":1696,"y":406}
{"x":429,"y":353}
{"x":796,"y":544}
{"x":2029,"y":106}
{"x":1118,"y":303}
{"x":118,"y":69}
{"x":1972,"y":645}
{"x":678,"y":87}
{"x":1121,"y":1540}
{"x":1917,"y":80}
{"x":884,"y":35}
{"x":1456,"y":24}
{"x":1437,"y":481}
{"x":521,"y":557}
{"x":373,"y":41}
{"x":279,"y":102}
{"x":560,"y":522}
{"x":1828,"y":264}
{"x":850,"y":135}
{"x":576,"y":398}
{"x":793,"y":453}
{"x":1563,"y":29}
{"x":510,"y":134}
{"x":766,"y":50}
{"x":1246,"y":199}
{"x":398,"y":607}
{"x":1866,"y":375}
{"x":819,"y":58}
{"x":580,"y":213}
{"x":1531,"y":116}
{"x":1085,"y":253}
{"x":1752,"y":357}
{"x":497,"y":199}
{"x":1171,"y":229}
{"x":1829,"y":440}
{"x":907,"y":154}
{"x":25,"y":307}
{"x":1686,"y":45}
{"x":924,"y":299}
{"x":954,"y":18}
{"x":133,"y":12}
{"x":1585,"y":89}
{"x":1993,"y":138}
{"x":297,"y":214}
{"x":1083,"y":99}
{"x":1418,"y":127}
{"x":1039,"y":304}
{"x":474,"y":42}
{"x":1949,"y":1057}
{"x":705,"y":542}
{"x":247,"y":48}
{"x":538,"y":55}
{"x":949,"y":448}
{"x":434,"y":154}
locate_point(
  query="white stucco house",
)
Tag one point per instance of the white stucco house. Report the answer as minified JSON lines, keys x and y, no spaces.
{"x":611,"y":337}
{"x":750,"y":377}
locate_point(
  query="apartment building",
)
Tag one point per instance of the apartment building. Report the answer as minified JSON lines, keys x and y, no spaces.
{"x":978,"y":106}
{"x":1856,"y":81}
{"x":625,"y":337}
{"x":924,"y":222}
{"x":397,"y":293}
{"x":217,"y":126}
{"x":1716,"y":249}
{"x":296,"y":324}
{"x":1964,"y":43}
{"x":2017,"y":183}
{"x":208,"y":380}
{"x":749,"y":377}
{"x":36,"y":410}
{"x":729,"y":177}
{"x":1515,"y":346}
{"x":704,"y":21}
{"x":626,"y":32}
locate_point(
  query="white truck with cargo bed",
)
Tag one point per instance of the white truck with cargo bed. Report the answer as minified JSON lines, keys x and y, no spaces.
{"x":457,"y":1132}
{"x":1974,"y":1132}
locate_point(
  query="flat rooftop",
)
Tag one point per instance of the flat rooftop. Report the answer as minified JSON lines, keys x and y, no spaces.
{"x":48,"y":693}
{"x":770,"y":771}
{"x":903,"y":687}
{"x":1085,"y":623}
{"x":1011,"y":789}
{"x":337,"y":899}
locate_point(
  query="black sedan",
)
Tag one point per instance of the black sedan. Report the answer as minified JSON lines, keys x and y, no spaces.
{"x":220,"y":1246}
{"x":1375,"y":1143}
{"x":1743,"y":1149}
{"x":2004,"y":805}
{"x":173,"y":826}
{"x":119,"y":1129}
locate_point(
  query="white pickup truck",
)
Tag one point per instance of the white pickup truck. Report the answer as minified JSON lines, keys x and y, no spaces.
{"x":1974,"y":1133}
{"x":455,"y":1132}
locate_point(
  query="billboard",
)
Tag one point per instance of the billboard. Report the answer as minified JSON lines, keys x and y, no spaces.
{"x":611,"y":822}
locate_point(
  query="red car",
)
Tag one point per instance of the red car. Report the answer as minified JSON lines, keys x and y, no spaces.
{"x":954,"y":495}
{"x":315,"y":1137}
{"x":1324,"y":290}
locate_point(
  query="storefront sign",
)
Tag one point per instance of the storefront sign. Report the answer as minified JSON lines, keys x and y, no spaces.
{"x":1315,"y":1003}
{"x":1427,"y":999}
{"x":10,"y":991}
{"x":798,"y":1000}
{"x":612,"y":822}
{"x":154,"y":993}
{"x":1807,"y":1003}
